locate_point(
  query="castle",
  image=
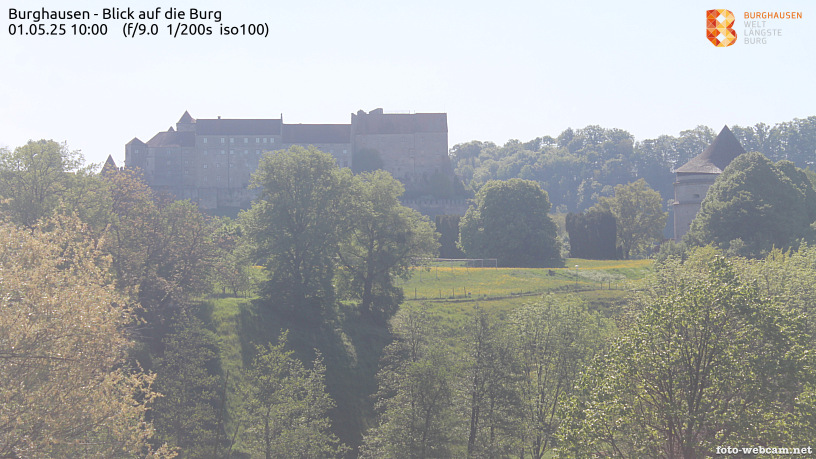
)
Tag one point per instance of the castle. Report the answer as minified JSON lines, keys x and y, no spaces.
{"x":209,"y":161}
{"x":696,"y":176}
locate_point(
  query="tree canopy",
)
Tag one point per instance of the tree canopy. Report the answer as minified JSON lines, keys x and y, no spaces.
{"x":297,"y":223}
{"x":382,"y":241}
{"x":639,"y":217}
{"x":66,"y":389}
{"x":760,"y":204}
{"x":709,"y":361}
{"x":509,"y":221}
{"x":36,"y":176}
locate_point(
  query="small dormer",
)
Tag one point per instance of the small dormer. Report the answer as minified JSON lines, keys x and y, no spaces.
{"x":186,"y":123}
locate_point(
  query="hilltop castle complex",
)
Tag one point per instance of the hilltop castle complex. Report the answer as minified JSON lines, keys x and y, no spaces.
{"x":209,"y":161}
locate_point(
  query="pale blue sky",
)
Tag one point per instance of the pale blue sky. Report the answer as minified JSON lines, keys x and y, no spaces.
{"x":517,"y":69}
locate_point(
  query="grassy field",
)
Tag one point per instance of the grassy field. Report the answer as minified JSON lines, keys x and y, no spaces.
{"x":599,"y":282}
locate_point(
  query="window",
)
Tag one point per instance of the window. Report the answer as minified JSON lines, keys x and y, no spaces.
{"x":246,"y":140}
{"x":222,"y":140}
{"x":204,"y":140}
{"x":264,"y":139}
{"x":257,"y":140}
{"x":257,"y":152}
{"x":232,"y":152}
{"x":271,"y":140}
{"x":223,"y":152}
{"x":232,"y":139}
{"x":205,"y":166}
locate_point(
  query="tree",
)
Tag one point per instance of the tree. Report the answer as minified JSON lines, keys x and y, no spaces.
{"x":286,"y":406}
{"x":552,"y":340}
{"x":296,"y":225}
{"x":186,"y":416}
{"x":639,"y":215}
{"x":415,"y":396}
{"x":35,"y":177}
{"x":381,"y":243}
{"x":233,"y":269}
{"x":592,"y":235}
{"x":162,"y":252}
{"x":509,"y":221}
{"x":761,"y":204}
{"x":448,"y":228}
{"x":66,"y":388}
{"x":708,"y":361}
{"x":489,"y":378}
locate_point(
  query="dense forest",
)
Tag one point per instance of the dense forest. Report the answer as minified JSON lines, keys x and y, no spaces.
{"x":134,"y":325}
{"x":581,"y":165}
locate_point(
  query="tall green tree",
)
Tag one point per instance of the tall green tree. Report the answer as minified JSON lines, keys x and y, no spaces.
{"x":762,"y":204}
{"x":285,"y":406}
{"x":36,"y":176}
{"x":488,"y":382}
{"x":415,"y":397}
{"x":552,"y":340}
{"x":509,"y":221}
{"x":66,"y":388}
{"x":383,"y":239}
{"x":186,"y":416}
{"x":709,"y":361}
{"x":296,"y":225}
{"x":162,"y":252}
{"x":639,"y":216}
{"x":592,"y":234}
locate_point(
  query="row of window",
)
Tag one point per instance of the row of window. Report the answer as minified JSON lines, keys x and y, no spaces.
{"x":246,"y":139}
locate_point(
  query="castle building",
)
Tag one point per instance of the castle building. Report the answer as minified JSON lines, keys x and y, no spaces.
{"x":696,"y":176}
{"x":209,"y":161}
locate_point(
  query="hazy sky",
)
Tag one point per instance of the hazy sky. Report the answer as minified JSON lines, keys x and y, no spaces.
{"x":501,"y":70}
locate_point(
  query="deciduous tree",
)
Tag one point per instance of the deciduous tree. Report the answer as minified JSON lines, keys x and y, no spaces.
{"x":36,"y":176}
{"x":709,"y":361}
{"x":383,"y":239}
{"x":639,"y":216}
{"x":296,"y":225}
{"x":761,"y":204}
{"x":285,"y":406}
{"x":509,"y":221}
{"x":66,"y":389}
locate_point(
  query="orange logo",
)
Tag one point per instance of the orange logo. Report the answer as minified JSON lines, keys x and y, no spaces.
{"x":718,"y":28}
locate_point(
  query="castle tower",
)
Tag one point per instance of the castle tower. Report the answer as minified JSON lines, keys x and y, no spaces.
{"x":413,"y":147}
{"x":694,"y":178}
{"x":186,"y":123}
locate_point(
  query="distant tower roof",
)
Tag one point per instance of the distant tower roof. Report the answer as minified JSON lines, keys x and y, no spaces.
{"x":134,"y":141}
{"x":186,"y":118}
{"x":110,"y":166}
{"x":716,"y":157}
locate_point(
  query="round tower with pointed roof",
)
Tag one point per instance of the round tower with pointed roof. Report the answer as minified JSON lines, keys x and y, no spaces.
{"x":696,"y":176}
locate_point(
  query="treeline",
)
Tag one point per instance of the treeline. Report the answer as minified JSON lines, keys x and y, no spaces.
{"x":581,"y":165}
